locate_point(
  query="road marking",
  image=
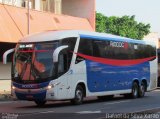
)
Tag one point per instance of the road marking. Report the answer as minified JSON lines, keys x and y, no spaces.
{"x":146,"y":110}
{"x":157,"y":90}
{"x":117,"y":102}
{"x":88,"y":112}
{"x":46,"y":112}
{"x":36,"y":113}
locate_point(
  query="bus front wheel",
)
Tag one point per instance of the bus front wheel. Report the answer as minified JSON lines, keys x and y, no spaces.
{"x":40,"y":103}
{"x":78,"y":96}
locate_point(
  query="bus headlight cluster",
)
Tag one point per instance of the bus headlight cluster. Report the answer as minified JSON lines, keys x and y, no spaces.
{"x":50,"y":86}
{"x":13,"y":87}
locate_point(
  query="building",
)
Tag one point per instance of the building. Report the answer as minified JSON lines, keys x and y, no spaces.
{"x":78,"y":8}
{"x":153,"y":37}
{"x":43,"y":15}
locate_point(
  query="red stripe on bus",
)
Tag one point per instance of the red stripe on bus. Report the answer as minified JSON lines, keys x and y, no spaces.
{"x":116,"y":62}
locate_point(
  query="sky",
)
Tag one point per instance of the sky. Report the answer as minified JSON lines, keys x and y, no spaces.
{"x":146,"y":11}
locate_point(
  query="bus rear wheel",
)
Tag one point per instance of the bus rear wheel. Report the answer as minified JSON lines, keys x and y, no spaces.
{"x":142,"y":90}
{"x":135,"y":90}
{"x":78,"y":96}
{"x":134,"y":93}
{"x":40,"y":103}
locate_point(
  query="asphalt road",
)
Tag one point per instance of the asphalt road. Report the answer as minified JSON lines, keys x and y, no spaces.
{"x":91,"y":109}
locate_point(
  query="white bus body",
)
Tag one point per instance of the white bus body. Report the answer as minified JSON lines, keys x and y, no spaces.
{"x":72,"y":64}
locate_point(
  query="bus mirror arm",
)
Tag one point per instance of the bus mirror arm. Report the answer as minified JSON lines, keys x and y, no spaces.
{"x":57,"y":51}
{"x":6,"y":54}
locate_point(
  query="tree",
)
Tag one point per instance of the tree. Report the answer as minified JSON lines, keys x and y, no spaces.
{"x":125,"y":26}
{"x":100,"y":22}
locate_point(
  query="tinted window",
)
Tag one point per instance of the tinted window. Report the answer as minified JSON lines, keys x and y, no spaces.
{"x":144,"y":51}
{"x":99,"y":48}
{"x":110,"y":49}
{"x":114,"y":49}
{"x":69,"y":53}
{"x":85,"y":47}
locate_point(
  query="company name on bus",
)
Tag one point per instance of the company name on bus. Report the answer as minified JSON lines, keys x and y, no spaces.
{"x":29,"y":86}
{"x":117,"y":44}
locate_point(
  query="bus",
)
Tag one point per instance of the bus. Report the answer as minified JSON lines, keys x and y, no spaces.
{"x":74,"y":64}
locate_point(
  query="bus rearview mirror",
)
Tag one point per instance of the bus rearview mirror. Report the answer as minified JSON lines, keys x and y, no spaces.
{"x":57,"y":51}
{"x":6,"y":54}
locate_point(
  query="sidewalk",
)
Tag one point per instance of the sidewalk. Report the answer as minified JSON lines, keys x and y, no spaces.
{"x":5,"y":71}
{"x":5,"y":77}
{"x":5,"y":85}
{"x":5,"y":90}
{"x":5,"y":96}
{"x":5,"y":82}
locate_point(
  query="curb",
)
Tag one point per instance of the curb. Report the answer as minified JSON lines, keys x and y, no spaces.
{"x":5,"y":97}
{"x":4,"y":79}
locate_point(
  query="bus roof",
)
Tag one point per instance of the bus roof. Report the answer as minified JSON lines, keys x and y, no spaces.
{"x":56,"y":35}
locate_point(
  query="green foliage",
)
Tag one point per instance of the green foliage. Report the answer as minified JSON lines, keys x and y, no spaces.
{"x":100,"y":22}
{"x":125,"y":26}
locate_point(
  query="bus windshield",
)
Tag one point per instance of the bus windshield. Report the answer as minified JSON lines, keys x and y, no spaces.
{"x":34,"y":62}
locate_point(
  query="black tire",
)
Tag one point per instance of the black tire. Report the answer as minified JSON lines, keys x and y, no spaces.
{"x":104,"y":98}
{"x":40,"y":103}
{"x":135,"y":90}
{"x":142,"y":90}
{"x":79,"y":94}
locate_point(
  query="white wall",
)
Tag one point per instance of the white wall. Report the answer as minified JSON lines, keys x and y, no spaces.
{"x":38,"y":4}
{"x":153,"y":37}
{"x":17,"y":3}
{"x":6,"y":1}
{"x":80,"y":8}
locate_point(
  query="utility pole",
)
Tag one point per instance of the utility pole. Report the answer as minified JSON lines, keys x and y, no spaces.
{"x":28,"y":17}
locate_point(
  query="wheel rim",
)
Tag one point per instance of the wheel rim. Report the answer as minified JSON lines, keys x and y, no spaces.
{"x":79,"y":95}
{"x":135,"y":92}
{"x":142,"y":89}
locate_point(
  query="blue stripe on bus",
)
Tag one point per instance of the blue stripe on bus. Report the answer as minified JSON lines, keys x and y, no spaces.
{"x":113,"y":39}
{"x":101,"y":77}
{"x":39,"y":96}
{"x":31,"y":86}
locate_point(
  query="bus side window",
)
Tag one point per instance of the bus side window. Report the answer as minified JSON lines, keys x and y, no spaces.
{"x":99,"y":48}
{"x":85,"y":47}
{"x":62,"y":64}
{"x":69,"y":53}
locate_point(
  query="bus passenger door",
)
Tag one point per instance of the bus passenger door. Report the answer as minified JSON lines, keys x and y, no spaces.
{"x":63,"y":76}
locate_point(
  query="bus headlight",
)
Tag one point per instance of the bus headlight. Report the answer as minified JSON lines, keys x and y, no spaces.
{"x":13,"y":87}
{"x":52,"y":85}
{"x":49,"y":87}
